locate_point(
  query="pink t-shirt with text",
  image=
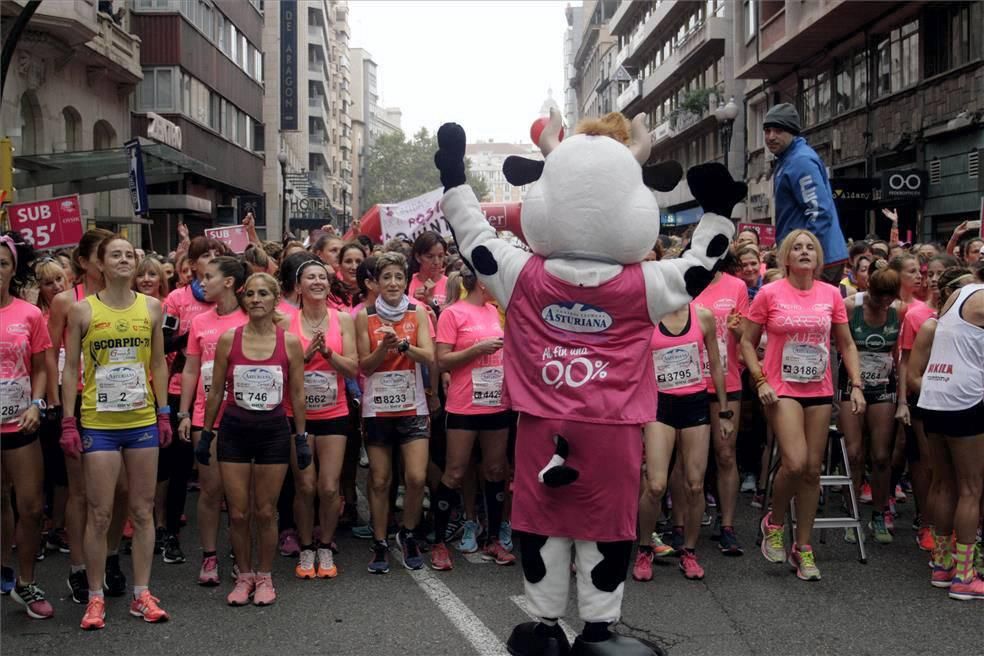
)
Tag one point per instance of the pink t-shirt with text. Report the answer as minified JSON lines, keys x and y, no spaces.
{"x":206,"y":329}
{"x":23,"y":333}
{"x":915,"y":316}
{"x":440,"y":289}
{"x":476,"y":387}
{"x":181,"y":303}
{"x":722,"y":297}
{"x":798,"y":323}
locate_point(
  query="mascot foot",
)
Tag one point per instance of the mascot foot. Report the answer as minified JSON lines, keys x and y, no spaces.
{"x":615,"y":645}
{"x":538,"y":639}
{"x":557,"y":473}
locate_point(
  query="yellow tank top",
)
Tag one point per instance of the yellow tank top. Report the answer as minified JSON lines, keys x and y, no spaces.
{"x":116,"y":349}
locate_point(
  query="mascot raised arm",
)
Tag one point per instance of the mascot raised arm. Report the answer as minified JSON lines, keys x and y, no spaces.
{"x":580,"y":312}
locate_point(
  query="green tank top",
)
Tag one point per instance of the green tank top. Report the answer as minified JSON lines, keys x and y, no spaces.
{"x":874,"y":340}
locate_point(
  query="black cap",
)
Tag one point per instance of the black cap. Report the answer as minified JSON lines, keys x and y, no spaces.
{"x":783,"y":116}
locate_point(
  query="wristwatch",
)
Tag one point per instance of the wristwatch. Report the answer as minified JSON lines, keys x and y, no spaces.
{"x":726,"y":414}
{"x":41,"y":404}
{"x":184,"y":415}
{"x":404,"y":345}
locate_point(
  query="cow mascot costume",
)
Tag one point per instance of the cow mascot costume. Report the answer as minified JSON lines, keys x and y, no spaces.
{"x":580,"y":312}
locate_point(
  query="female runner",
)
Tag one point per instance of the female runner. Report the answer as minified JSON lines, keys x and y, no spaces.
{"x":428,"y":285}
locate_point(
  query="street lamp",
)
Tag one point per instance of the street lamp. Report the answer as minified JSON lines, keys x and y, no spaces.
{"x":726,"y":115}
{"x":282,"y":158}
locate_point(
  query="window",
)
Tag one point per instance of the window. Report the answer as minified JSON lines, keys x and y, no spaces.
{"x":156,"y":92}
{"x":823,"y":97}
{"x":233,"y":51}
{"x":808,"y":101}
{"x":950,"y":41}
{"x":215,"y":111}
{"x":258,"y":65}
{"x":897,"y":59}
{"x":751,"y":24}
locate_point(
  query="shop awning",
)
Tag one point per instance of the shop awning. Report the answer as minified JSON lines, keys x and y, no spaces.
{"x":92,"y":171}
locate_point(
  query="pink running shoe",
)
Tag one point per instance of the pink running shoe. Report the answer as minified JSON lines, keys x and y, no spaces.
{"x":208,"y":575}
{"x":145,"y":606}
{"x":494,"y":551}
{"x":245,"y":584}
{"x":643,"y":568}
{"x":690,"y":567}
{"x":264,"y":593}
{"x":289,"y":546}
{"x":942,"y":577}
{"x":440,"y":558}
{"x":865,"y":496}
{"x":889,"y":518}
{"x":967,"y":590}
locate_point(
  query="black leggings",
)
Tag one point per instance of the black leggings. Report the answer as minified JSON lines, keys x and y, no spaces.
{"x":174,"y":466}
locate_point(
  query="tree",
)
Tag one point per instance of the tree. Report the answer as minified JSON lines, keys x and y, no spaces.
{"x":398,"y":169}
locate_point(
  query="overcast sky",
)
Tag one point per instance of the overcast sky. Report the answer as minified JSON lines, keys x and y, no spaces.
{"x":484,"y":64}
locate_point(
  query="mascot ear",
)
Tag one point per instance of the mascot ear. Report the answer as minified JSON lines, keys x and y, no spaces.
{"x":521,"y":171}
{"x":663,"y":176}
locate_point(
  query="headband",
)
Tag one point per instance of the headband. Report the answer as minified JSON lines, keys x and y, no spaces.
{"x":305,"y":264}
{"x":9,"y":242}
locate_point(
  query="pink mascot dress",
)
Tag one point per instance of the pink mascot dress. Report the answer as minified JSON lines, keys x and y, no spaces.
{"x":580,"y":311}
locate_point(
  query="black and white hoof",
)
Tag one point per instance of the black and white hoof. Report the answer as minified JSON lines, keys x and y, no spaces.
{"x":615,"y":645}
{"x":557,"y":473}
{"x":538,"y":639}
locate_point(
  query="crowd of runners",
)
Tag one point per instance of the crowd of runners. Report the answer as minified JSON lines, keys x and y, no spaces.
{"x":265,"y":379}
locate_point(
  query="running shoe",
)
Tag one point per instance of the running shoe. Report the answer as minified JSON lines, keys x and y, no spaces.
{"x":172,"y":550}
{"x":31,"y":597}
{"x":234,"y":572}
{"x":363,"y":532}
{"x":716,"y":529}
{"x":57,"y":540}
{"x":505,"y":535}
{"x":773,"y":540}
{"x":916,"y":522}
{"x":675,"y":538}
{"x":440,"y":557}
{"x":7,"y":580}
{"x":401,"y":494}
{"x":900,"y":495}
{"x":889,"y":518}
{"x":95,"y":614}
{"x":114,"y":580}
{"x":659,"y":549}
{"x":245,"y":583}
{"x":707,"y":518}
{"x":941,"y":577}
{"x":728,"y":543}
{"x":264,"y":594}
{"x":305,"y":565}
{"x":326,"y":563}
{"x":748,"y":483}
{"x":711,"y":500}
{"x":924,"y":538}
{"x":690,"y":567}
{"x":878,"y":529}
{"x":145,"y":606}
{"x":469,"y":537}
{"x":850,"y":536}
{"x":380,"y":559}
{"x":456,"y":524}
{"x":966,"y":590}
{"x":643,"y":568}
{"x":41,"y":553}
{"x":426,"y":502}
{"x":865,"y":493}
{"x":78,"y":583}
{"x":805,"y":564}
{"x":208,"y":575}
{"x":495,"y":552}
{"x":410,"y":550}
{"x":758,"y":499}
{"x":289,"y":546}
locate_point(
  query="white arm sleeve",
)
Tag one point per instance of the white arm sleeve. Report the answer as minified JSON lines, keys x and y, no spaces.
{"x":497,"y":263}
{"x":671,"y":284}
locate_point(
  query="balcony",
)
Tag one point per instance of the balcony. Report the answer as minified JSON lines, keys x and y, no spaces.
{"x":625,"y":15}
{"x":706,"y":39}
{"x":621,"y":56}
{"x":661,"y":133}
{"x":663,"y":15}
{"x":316,"y":34}
{"x":317,"y":68}
{"x":632,"y":93}
{"x":345,"y":142}
{"x":73,"y":23}
{"x":118,"y":50}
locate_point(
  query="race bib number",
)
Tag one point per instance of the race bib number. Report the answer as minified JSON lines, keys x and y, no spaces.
{"x":803,"y":363}
{"x":677,"y":366}
{"x":121,"y":387}
{"x":393,"y":391}
{"x":320,"y":389}
{"x":487,"y":386}
{"x":875,"y":368}
{"x":15,"y":398}
{"x":258,"y":387}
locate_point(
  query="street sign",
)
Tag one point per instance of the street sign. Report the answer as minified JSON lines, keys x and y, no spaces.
{"x":234,"y":237}
{"x":137,"y":182}
{"x":766,"y":233}
{"x":48,"y":224}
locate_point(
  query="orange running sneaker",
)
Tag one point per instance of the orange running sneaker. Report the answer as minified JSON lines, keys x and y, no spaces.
{"x":95,"y":614}
{"x":145,"y":606}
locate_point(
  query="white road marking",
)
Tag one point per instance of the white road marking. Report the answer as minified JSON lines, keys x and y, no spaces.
{"x":524,"y":606}
{"x":482,"y":639}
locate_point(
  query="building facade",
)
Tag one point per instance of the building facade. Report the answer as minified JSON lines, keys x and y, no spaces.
{"x":486,"y":158}
{"x":68,"y":91}
{"x":365,"y":95}
{"x":589,"y":76}
{"x":891,"y":96}
{"x":673,"y":62}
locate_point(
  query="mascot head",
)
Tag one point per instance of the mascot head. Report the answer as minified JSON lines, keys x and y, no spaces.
{"x":591,"y":197}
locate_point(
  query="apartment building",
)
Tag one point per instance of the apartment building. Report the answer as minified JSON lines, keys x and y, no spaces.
{"x":891,"y":96}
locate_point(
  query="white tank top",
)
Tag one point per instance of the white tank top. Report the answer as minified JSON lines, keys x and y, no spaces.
{"x":954,"y":377}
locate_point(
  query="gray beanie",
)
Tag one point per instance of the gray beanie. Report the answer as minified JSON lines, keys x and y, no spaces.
{"x":783,"y":116}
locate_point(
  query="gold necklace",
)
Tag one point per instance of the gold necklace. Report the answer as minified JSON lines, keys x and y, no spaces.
{"x":314,"y":328}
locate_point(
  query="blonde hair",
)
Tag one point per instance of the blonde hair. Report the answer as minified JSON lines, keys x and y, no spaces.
{"x":152,"y":263}
{"x":771,"y":275}
{"x":612,"y":124}
{"x":48,"y":269}
{"x":787,"y":247}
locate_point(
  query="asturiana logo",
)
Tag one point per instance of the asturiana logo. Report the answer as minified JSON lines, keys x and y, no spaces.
{"x":258,"y":377}
{"x":577,"y":317}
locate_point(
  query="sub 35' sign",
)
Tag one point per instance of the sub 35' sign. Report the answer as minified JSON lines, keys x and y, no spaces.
{"x":47,"y":224}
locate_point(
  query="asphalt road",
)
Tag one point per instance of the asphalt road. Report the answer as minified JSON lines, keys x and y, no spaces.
{"x":743,"y":606}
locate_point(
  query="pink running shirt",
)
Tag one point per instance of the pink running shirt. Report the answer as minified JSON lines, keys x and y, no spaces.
{"x":206,"y":329}
{"x":324,"y":386}
{"x":679,"y":360}
{"x":476,"y":387}
{"x":181,"y":303}
{"x":798,"y":323}
{"x":727,"y":294}
{"x":915,"y":317}
{"x":440,"y":289}
{"x":23,"y":332}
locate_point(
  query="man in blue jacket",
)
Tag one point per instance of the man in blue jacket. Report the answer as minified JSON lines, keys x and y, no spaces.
{"x":803,"y":198}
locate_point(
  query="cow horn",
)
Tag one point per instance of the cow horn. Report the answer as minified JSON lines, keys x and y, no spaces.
{"x":550,"y":137}
{"x":641,"y":144}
